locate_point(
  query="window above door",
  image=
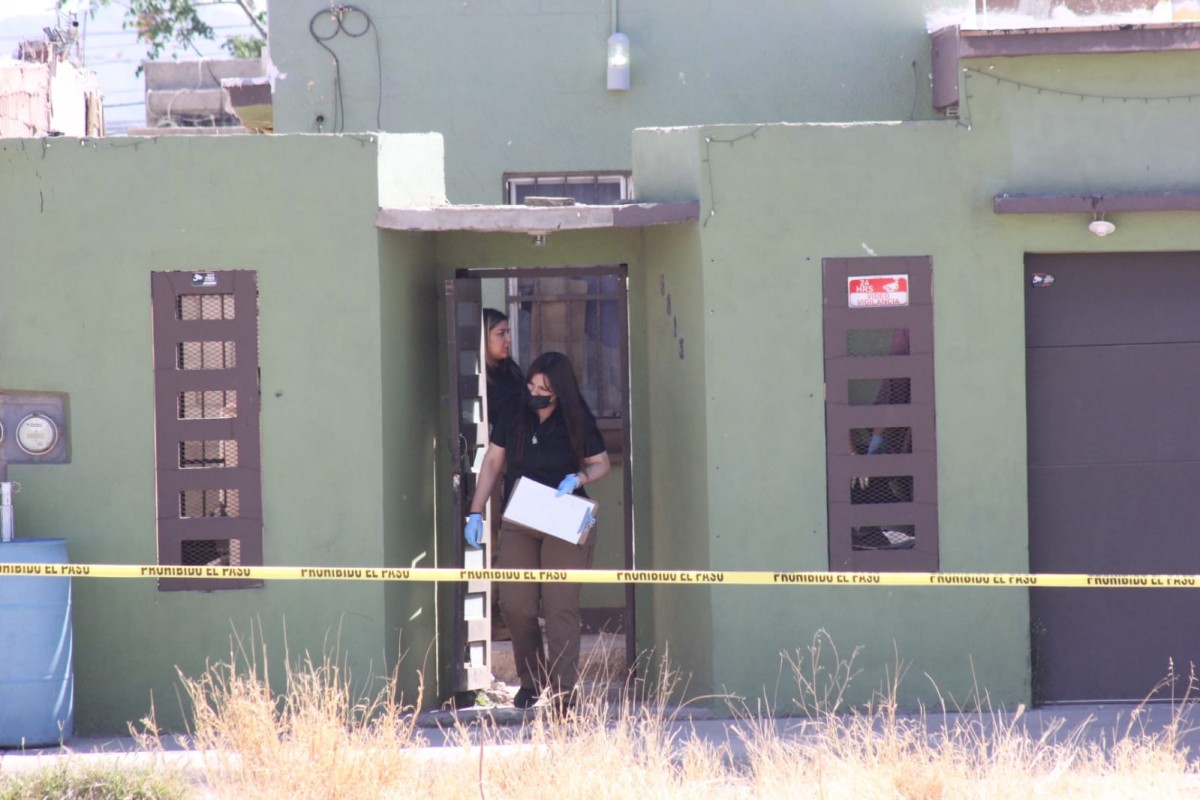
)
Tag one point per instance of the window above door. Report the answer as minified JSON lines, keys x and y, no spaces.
{"x":590,"y":188}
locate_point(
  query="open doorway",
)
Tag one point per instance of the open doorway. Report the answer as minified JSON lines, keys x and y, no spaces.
{"x":583,"y":313}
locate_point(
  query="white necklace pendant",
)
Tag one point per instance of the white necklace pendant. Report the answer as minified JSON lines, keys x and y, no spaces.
{"x":535,"y":438}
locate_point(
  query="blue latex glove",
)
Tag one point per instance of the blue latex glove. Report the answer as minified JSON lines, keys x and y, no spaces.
{"x":473,"y":532}
{"x":876,"y":444}
{"x":569,"y":484}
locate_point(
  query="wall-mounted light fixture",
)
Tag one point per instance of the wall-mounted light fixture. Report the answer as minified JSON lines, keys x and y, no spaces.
{"x":618,"y":62}
{"x":618,"y":57}
{"x":1100,"y":226}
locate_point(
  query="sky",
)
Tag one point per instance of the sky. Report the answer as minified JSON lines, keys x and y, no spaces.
{"x":114,"y":54}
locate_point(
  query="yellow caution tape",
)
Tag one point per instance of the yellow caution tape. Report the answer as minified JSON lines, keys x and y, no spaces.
{"x":692,"y":577}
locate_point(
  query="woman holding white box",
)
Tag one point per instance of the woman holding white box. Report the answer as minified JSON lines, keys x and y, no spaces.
{"x":551,"y":438}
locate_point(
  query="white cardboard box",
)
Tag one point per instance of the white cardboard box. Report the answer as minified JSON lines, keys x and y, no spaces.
{"x":534,"y":505}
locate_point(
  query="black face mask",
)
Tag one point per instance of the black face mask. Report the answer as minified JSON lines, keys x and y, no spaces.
{"x":539,"y":402}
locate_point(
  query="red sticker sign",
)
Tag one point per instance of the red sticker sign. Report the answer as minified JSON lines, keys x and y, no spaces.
{"x":877,"y":291}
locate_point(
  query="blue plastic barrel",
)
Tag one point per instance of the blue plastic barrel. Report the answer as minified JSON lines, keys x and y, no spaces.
{"x":37,"y":680}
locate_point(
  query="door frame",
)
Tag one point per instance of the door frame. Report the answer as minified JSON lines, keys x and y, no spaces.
{"x":620,"y":270}
{"x":465,"y":679}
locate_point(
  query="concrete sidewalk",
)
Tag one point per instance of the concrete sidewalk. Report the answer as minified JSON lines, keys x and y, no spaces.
{"x":1100,"y":724}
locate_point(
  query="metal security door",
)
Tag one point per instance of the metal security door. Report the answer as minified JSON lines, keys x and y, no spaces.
{"x":471,"y":655}
{"x":1113,"y":373}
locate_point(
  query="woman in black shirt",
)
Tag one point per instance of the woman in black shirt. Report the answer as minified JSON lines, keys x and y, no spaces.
{"x":551,"y":438}
{"x":505,"y":382}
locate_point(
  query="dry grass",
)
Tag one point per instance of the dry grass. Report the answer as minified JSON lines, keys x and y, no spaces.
{"x":96,"y":782}
{"x":320,"y":741}
{"x":878,"y":752}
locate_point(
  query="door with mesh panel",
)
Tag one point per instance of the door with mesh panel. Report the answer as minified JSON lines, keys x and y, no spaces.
{"x":207,"y":469}
{"x":879,"y":411}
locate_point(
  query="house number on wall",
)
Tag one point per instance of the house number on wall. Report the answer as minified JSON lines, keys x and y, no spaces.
{"x":36,"y":434}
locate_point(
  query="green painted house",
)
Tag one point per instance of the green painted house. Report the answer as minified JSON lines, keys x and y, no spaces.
{"x":813,"y":227}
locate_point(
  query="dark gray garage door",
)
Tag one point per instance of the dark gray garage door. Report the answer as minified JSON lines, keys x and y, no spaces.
{"x":1113,"y":369}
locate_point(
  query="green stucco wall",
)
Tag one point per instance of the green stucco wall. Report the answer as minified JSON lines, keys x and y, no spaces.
{"x":519,"y":85}
{"x":776,"y":200}
{"x":408,"y":300}
{"x":85,"y":223}
{"x":680,"y":535}
{"x":857,"y":195}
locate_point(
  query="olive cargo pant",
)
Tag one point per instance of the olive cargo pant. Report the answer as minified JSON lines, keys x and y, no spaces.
{"x":525,"y":548}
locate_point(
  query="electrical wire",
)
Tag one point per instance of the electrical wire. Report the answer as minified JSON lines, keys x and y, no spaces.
{"x":340,"y":15}
{"x":1103,"y":98}
{"x":709,"y":141}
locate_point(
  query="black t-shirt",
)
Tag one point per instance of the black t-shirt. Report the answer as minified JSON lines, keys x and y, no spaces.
{"x":505,"y":387}
{"x":547,"y":455}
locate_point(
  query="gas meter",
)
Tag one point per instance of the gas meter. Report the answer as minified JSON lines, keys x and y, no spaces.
{"x":36,"y":434}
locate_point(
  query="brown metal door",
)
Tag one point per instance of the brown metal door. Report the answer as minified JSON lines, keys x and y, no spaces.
{"x":1113,"y":373}
{"x":471,"y":657}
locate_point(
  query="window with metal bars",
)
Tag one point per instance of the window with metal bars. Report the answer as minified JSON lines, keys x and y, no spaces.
{"x":206,"y":423}
{"x":590,"y":188}
{"x":879,"y":412}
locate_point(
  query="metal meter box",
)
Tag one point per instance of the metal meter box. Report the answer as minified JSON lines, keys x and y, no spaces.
{"x":33,"y":427}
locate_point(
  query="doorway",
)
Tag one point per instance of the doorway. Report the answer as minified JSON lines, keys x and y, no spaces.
{"x":583,"y":312}
{"x":1113,"y":372}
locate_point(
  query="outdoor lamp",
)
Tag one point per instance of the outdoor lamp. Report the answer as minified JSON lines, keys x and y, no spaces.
{"x":1100,"y":226}
{"x":618,"y":62}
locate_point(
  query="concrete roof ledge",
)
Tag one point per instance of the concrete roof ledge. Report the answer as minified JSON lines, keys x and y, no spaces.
{"x":536,"y":220}
{"x":952,"y":44}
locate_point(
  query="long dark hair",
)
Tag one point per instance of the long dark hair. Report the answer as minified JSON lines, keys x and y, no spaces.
{"x":507,"y":368}
{"x":571,"y":404}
